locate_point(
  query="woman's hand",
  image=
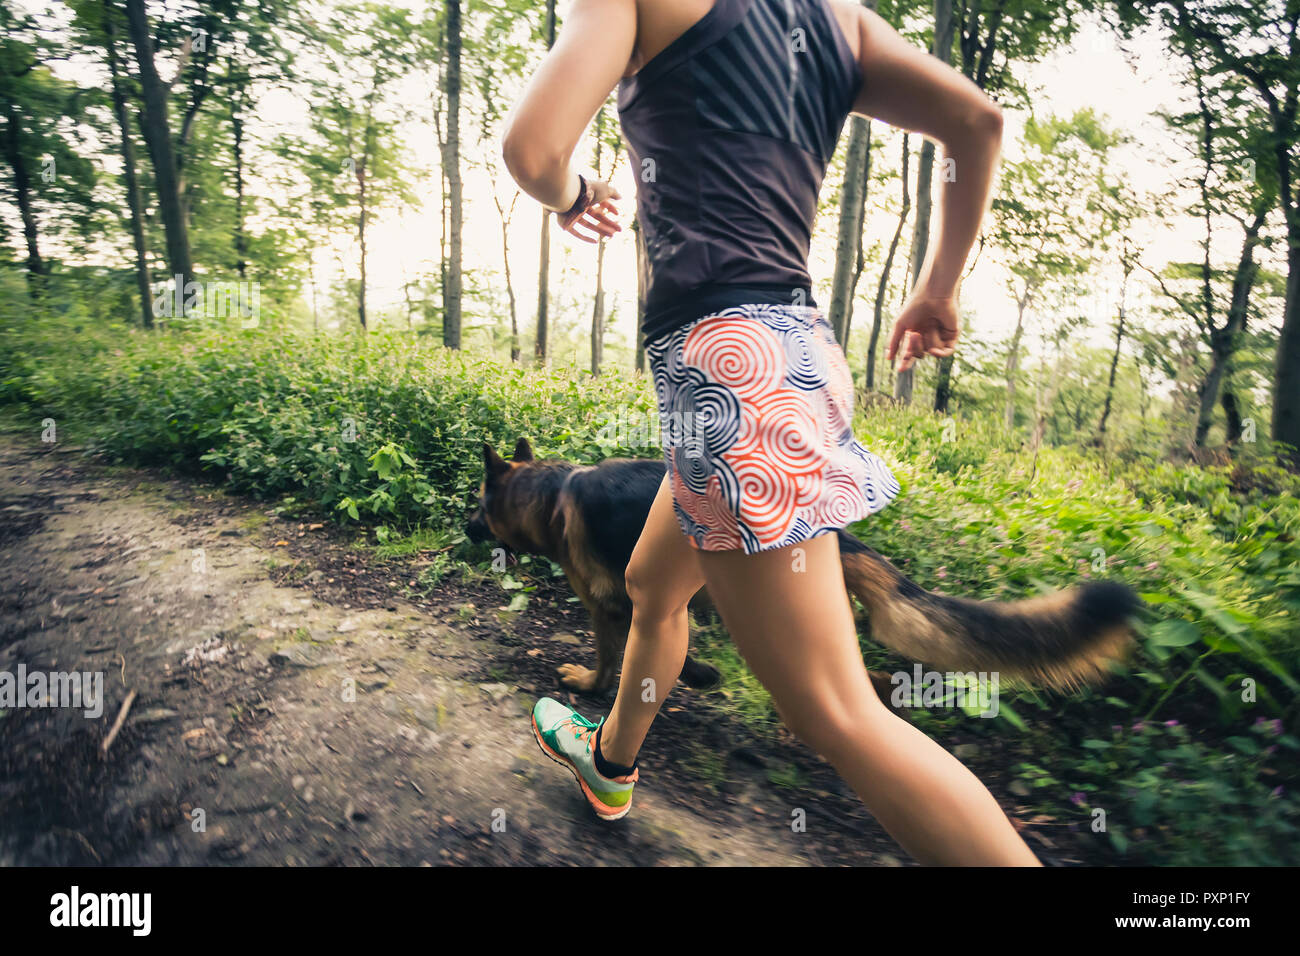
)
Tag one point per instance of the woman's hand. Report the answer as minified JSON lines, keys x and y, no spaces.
{"x":597,"y":216}
{"x":926,"y":326}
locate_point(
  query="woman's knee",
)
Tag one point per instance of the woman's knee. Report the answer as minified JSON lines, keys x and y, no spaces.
{"x":833,"y":726}
{"x":652,"y":597}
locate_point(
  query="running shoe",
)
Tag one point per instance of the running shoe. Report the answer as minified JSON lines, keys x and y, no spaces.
{"x":568,"y":738}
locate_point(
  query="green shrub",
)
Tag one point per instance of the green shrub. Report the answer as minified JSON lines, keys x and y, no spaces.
{"x":1162,"y":795}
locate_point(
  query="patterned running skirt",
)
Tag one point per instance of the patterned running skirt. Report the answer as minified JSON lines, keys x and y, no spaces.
{"x":755,"y":412}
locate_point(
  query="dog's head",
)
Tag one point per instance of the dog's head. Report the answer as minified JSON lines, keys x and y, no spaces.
{"x":497,"y":517}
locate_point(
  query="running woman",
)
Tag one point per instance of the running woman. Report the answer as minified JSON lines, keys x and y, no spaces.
{"x":732,"y":110}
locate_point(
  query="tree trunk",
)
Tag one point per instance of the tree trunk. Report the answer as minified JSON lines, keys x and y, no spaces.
{"x":1223,"y":341}
{"x":1013,"y":360}
{"x":1286,"y":374}
{"x":443,"y":188}
{"x":510,"y":283}
{"x":920,"y":245}
{"x":23,"y":188}
{"x":942,"y":50}
{"x":360,"y":236}
{"x":943,"y":387}
{"x":642,"y":279}
{"x":541,"y":346}
{"x":1231,"y":410}
{"x":241,"y":234}
{"x":129,"y":177}
{"x":158,"y":138}
{"x":1208,"y":393}
{"x":903,"y":381}
{"x":1144,"y":395}
{"x":878,"y":316}
{"x":598,"y":312}
{"x":1286,"y":367}
{"x":945,"y":26}
{"x":1110,"y":382}
{"x":853,"y":197}
{"x":1127,"y":263}
{"x":453,"y":287}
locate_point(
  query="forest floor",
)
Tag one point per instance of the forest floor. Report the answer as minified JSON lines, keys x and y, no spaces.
{"x":299,"y":701}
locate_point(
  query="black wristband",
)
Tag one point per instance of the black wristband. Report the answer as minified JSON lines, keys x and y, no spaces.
{"x":581,"y":202}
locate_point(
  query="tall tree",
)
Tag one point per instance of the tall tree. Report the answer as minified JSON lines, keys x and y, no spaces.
{"x":122,"y":113}
{"x":942,"y":50}
{"x":877,"y":319}
{"x":1225,"y":141}
{"x":354,"y":154}
{"x":50,"y":177}
{"x":541,"y":344}
{"x":453,"y":285}
{"x":157,"y":129}
{"x":992,"y":37}
{"x":853,"y":198}
{"x":611,"y":139}
{"x":1050,"y":215}
{"x":18,"y":65}
{"x":1258,"y":42}
{"x":1127,"y":263}
{"x":506,"y":215}
{"x":642,"y":279}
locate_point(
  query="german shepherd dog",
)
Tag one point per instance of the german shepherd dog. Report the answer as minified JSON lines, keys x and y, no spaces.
{"x":587,"y":519}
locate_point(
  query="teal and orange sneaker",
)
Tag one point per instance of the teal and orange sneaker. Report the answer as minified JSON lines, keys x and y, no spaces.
{"x":568,"y":738}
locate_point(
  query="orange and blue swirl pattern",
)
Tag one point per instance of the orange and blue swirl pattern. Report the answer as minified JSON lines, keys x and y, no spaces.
{"x":755,"y":409}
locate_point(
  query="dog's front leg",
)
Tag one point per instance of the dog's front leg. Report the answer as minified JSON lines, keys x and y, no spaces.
{"x":611,"y":638}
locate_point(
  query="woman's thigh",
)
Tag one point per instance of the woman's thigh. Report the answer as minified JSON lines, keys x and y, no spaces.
{"x":789,"y":615}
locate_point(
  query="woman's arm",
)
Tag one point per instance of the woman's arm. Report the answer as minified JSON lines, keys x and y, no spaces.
{"x":589,"y":57}
{"x":908,"y":88}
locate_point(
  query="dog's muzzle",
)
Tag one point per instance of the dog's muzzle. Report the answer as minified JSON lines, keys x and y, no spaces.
{"x":477,"y":529}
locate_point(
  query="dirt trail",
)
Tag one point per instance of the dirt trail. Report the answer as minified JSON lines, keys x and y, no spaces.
{"x":306,"y":731}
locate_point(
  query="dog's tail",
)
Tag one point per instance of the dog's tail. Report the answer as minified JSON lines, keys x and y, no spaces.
{"x":1061,"y":640}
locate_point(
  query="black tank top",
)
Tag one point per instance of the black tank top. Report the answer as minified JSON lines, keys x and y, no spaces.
{"x":730,"y":129}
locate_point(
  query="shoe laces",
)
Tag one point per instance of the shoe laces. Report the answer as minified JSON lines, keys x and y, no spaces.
{"x":583,"y":729}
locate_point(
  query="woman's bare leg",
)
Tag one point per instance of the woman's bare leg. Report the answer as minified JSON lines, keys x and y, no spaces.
{"x":662,"y":576}
{"x":789,"y":615}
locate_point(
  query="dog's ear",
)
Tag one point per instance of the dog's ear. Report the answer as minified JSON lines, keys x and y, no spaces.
{"x":494,"y":463}
{"x":523,"y":450}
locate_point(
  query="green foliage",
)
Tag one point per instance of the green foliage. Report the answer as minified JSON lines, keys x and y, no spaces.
{"x":1167,"y":795}
{"x":387,"y":429}
{"x":1213,"y":552}
{"x":383,"y":427}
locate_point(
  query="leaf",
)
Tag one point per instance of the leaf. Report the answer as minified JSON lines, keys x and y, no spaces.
{"x":1174,"y":633}
{"x":1157,"y":597}
{"x":1005,"y":711}
{"x":1118,"y":840}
